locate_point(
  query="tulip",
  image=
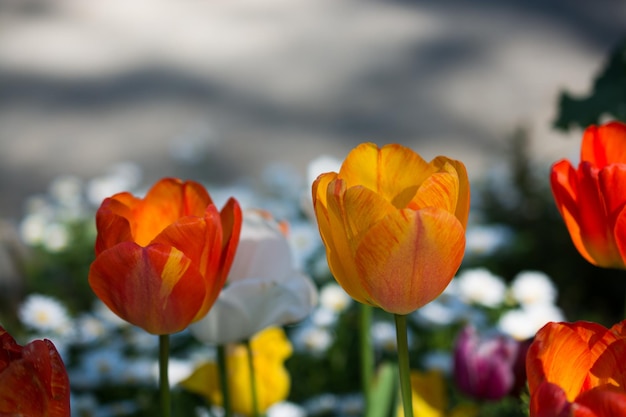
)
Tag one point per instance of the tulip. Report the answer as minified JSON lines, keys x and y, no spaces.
{"x":33,"y":380}
{"x":270,"y":349}
{"x":484,"y":365}
{"x":162,"y":260}
{"x":577,"y":369}
{"x":592,"y":198}
{"x":393,"y":225}
{"x":263,"y":288}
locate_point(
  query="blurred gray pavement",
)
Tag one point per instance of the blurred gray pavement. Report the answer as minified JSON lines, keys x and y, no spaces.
{"x":85,"y":84}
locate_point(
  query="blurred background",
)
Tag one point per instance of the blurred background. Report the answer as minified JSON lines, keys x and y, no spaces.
{"x":221,"y":89}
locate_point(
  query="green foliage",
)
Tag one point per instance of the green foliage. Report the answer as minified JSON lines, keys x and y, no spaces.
{"x":608,"y":96}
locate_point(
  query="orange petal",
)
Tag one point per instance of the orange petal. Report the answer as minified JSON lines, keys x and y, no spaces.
{"x":544,"y":361}
{"x":610,"y":367}
{"x":156,"y":288}
{"x":604,"y":145}
{"x":393,"y":171}
{"x":407,"y":259}
{"x":338,"y":237}
{"x":463,"y":198}
{"x":167,"y":201}
{"x":440,"y":190}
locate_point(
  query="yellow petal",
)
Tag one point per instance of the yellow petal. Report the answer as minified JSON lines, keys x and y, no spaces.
{"x":408,"y":258}
{"x":393,"y":171}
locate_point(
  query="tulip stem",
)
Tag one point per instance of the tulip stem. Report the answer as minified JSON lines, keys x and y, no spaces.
{"x":403,"y":365}
{"x":253,"y":390}
{"x":223,"y":372}
{"x":367,"y":354}
{"x":164,"y":384}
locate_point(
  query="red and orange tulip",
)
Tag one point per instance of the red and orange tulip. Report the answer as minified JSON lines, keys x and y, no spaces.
{"x":578,"y":369}
{"x":33,"y":380}
{"x":161,"y":261}
{"x":393,"y":225}
{"x":592,"y":198}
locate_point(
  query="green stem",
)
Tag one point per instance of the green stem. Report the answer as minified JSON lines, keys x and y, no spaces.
{"x":164,"y":384}
{"x":223,"y":371}
{"x":253,"y":390}
{"x":403,"y":365}
{"x":367,"y":354}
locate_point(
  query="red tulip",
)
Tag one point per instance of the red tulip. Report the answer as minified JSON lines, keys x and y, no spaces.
{"x":577,"y":369}
{"x":33,"y":380}
{"x":161,"y":261}
{"x":592,"y":198}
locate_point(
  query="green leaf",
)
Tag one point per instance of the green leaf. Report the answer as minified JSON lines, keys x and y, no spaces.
{"x":384,"y":391}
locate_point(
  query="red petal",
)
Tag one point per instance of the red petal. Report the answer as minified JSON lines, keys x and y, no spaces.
{"x":606,"y":401}
{"x":604,"y":145}
{"x":34,"y":381}
{"x":549,"y":400}
{"x":156,"y":288}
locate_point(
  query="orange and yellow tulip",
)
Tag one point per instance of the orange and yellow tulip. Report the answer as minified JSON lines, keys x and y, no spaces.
{"x":592,"y":198}
{"x":33,"y":380}
{"x":393,"y":225}
{"x":162,"y":260}
{"x":578,"y":369}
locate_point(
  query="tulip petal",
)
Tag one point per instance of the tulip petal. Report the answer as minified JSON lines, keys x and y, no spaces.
{"x":248,"y":306}
{"x":594,"y":221}
{"x":440,"y":190}
{"x":261,"y":240}
{"x":549,"y":400}
{"x":564,"y":183}
{"x":156,"y":288}
{"x":604,"y":145}
{"x":610,"y":367}
{"x":408,"y":258}
{"x":544,"y":361}
{"x":113,"y":217}
{"x":168,"y":200}
{"x":33,"y":380}
{"x":613,"y":188}
{"x":463,"y":198}
{"x":393,"y":171}
{"x":337,"y":236}
{"x":205,"y":252}
{"x":604,"y":401}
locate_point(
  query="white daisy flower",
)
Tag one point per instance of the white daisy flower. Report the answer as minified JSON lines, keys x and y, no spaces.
{"x":285,"y":409}
{"x":523,"y":323}
{"x":533,"y":287}
{"x":480,"y":286}
{"x":44,"y":314}
{"x":334,"y":298}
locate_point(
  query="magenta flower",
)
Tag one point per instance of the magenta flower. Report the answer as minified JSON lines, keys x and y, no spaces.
{"x":484,"y":366}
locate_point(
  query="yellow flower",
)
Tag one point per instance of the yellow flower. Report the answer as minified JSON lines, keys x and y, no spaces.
{"x":393,"y":225}
{"x":430,"y":399}
{"x":270,"y":349}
